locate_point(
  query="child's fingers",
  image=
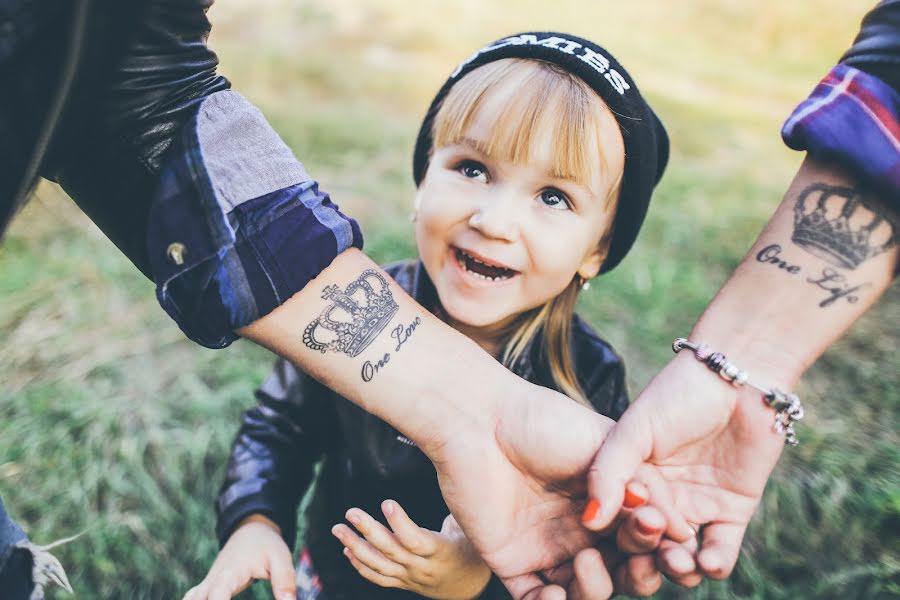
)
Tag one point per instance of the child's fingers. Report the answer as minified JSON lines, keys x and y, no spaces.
{"x":366,"y":553}
{"x":379,"y":536}
{"x":417,"y":540}
{"x":222,"y":591}
{"x":222,"y":584}
{"x":373,"y":576}
{"x":281,"y":574}
{"x":226,"y":586}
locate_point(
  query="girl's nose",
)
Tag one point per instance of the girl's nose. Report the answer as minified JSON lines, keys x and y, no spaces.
{"x":496,"y":219}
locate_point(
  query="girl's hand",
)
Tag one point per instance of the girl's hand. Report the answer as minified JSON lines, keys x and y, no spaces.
{"x":254,"y":551}
{"x":441,"y":565}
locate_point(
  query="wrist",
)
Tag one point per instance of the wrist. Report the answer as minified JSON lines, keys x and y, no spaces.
{"x":762,"y":357}
{"x":258,"y":519}
{"x":729,"y":388}
{"x":468,"y":393}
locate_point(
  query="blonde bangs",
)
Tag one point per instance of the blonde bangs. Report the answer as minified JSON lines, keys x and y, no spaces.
{"x":541,"y":95}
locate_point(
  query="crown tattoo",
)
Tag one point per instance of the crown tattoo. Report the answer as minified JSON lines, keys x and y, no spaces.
{"x":835,"y":224}
{"x":355,"y":317}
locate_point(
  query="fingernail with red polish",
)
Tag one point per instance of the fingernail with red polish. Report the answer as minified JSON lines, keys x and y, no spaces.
{"x":590,"y":511}
{"x":633,"y":499}
{"x":646,"y":528}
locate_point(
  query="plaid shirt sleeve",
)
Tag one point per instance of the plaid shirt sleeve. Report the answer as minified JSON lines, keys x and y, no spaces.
{"x":851,"y":117}
{"x":237,"y":226}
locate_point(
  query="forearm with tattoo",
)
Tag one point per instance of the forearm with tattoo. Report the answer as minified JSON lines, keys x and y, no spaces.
{"x":842,"y":226}
{"x":828,"y":253}
{"x":355,"y":317}
{"x":357,"y":332}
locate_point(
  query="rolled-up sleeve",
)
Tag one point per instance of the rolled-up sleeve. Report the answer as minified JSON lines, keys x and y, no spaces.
{"x":236,"y":225}
{"x":853,"y":114}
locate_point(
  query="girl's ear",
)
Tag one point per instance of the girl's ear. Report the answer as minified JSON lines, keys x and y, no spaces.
{"x":591,"y":265}
{"x":418,"y":200}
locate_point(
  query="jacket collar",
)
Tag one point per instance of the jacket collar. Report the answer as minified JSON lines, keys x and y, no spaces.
{"x":412,"y":277}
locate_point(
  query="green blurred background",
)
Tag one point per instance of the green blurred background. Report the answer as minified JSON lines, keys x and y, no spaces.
{"x":113,"y":424}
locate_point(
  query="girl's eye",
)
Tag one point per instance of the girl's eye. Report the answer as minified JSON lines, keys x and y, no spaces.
{"x":555,"y":199}
{"x":473,"y":170}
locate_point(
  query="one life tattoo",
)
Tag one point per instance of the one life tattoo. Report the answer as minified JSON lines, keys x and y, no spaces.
{"x":841,"y":226}
{"x":830,"y":280}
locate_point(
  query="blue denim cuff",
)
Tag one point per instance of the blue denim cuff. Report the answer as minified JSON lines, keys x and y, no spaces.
{"x":852,"y":117}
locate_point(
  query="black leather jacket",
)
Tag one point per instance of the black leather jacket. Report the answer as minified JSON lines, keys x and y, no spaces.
{"x":92,"y":94}
{"x":298,"y":421}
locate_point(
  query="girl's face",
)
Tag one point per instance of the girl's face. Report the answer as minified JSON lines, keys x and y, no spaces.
{"x":499,"y":237}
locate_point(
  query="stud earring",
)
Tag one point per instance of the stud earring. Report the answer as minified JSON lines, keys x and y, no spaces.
{"x":583,"y":283}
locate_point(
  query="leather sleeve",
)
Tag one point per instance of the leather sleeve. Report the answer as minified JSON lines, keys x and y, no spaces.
{"x":188,"y":178}
{"x":876,"y":50}
{"x":145,"y":70}
{"x":276,"y":449}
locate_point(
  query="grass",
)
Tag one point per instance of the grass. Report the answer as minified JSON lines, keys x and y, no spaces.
{"x":114,"y":425}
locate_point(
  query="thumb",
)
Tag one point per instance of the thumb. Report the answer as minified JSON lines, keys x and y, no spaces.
{"x":281,"y":573}
{"x":623,"y":451}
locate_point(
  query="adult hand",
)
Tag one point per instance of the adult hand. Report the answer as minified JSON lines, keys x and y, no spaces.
{"x":712,"y":444}
{"x":516,"y":485}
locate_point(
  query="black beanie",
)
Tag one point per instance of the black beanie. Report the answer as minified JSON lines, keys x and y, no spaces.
{"x":646,"y":142}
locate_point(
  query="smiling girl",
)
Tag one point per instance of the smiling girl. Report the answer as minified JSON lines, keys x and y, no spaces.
{"x":534,"y":166}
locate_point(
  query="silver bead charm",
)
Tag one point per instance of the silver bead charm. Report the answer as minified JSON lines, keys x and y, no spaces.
{"x":788,"y":409}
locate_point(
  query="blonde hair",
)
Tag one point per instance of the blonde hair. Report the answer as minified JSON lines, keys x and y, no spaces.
{"x":546,"y":95}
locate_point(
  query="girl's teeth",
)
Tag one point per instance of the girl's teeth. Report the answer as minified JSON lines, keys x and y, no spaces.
{"x":485,"y":277}
{"x":464,"y":257}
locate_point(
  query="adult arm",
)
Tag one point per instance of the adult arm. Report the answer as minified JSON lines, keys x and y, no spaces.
{"x":803,"y":283}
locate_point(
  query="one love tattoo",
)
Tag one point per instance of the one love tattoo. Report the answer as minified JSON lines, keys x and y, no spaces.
{"x":355,"y":317}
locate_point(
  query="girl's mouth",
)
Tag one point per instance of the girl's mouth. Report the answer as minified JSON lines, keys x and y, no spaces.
{"x":480,"y":269}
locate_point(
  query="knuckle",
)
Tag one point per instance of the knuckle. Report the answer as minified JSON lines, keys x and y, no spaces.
{"x":423,"y":577}
{"x":413,"y":543}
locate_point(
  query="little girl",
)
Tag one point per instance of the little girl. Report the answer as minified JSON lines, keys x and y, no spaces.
{"x":534,"y":166}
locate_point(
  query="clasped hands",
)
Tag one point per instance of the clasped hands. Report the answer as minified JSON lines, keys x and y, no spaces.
{"x":518,"y":484}
{"x":518,"y":477}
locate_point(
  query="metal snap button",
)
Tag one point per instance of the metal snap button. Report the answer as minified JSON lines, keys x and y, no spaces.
{"x":176,"y":252}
